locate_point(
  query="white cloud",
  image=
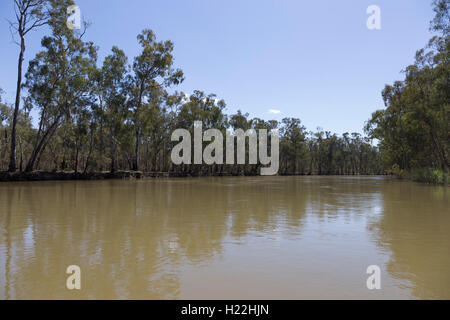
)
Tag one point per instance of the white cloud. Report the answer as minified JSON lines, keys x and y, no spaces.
{"x":274,"y":111}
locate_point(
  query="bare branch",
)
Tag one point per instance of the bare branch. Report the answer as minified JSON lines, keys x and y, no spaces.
{"x":36,"y":24}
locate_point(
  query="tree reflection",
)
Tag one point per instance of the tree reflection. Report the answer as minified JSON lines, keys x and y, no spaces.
{"x":414,"y":227}
{"x":132,"y":239}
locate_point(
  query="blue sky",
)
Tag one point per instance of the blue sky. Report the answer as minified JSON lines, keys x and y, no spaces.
{"x":315,"y":60}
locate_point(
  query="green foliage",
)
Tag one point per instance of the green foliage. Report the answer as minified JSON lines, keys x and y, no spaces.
{"x":59,"y":82}
{"x":119,"y":116}
{"x":24,"y":133}
{"x":324,"y":153}
{"x":153,"y":72}
{"x":431,"y":175}
{"x":414,"y":129}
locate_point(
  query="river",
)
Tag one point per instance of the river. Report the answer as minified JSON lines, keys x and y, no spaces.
{"x":225,"y":238}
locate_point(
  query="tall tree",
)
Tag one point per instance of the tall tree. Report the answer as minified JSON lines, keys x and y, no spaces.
{"x":113,"y":87}
{"x":30,"y":14}
{"x":152,"y":72}
{"x":294,"y":140}
{"x":59,"y":80}
{"x":413,"y":129}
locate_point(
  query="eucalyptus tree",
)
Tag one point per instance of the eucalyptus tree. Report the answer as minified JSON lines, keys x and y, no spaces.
{"x":59,"y":78}
{"x":293,"y":139}
{"x":258,"y":125}
{"x":5,"y":113}
{"x":153,"y":72}
{"x":207,"y":109}
{"x":113,"y":94}
{"x":24,"y":133}
{"x":236,"y":121}
{"x":240,"y":120}
{"x":441,"y":20}
{"x":30,"y":14}
{"x":413,"y":129}
{"x":3,"y":109}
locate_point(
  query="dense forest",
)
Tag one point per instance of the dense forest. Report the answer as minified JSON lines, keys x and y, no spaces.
{"x":119,"y":113}
{"x":413,"y":129}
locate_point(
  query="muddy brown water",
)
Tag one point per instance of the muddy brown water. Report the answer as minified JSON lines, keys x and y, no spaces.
{"x":225,"y":238}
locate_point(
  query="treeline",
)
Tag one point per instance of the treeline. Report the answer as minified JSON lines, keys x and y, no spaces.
{"x":120,"y":115}
{"x":414,"y":128}
{"x":95,"y":145}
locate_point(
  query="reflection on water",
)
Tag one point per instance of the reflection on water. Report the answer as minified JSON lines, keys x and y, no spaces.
{"x":415,"y":228}
{"x":236,"y":238}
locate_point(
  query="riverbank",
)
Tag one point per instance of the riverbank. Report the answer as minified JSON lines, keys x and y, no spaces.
{"x":67,"y":176}
{"x":58,"y":176}
{"x":425,"y":175}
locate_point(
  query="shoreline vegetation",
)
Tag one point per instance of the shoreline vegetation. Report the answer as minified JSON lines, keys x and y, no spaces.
{"x":6,"y":176}
{"x":118,"y":115}
{"x":424,"y":175}
{"x":429,"y":176}
{"x":65,"y":176}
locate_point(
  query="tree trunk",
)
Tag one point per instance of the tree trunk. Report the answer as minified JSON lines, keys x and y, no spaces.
{"x":77,"y":151}
{"x":38,"y":146}
{"x":136,"y":152}
{"x":21,"y":155}
{"x":91,"y":147}
{"x":112,"y":151}
{"x":12,"y":156}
